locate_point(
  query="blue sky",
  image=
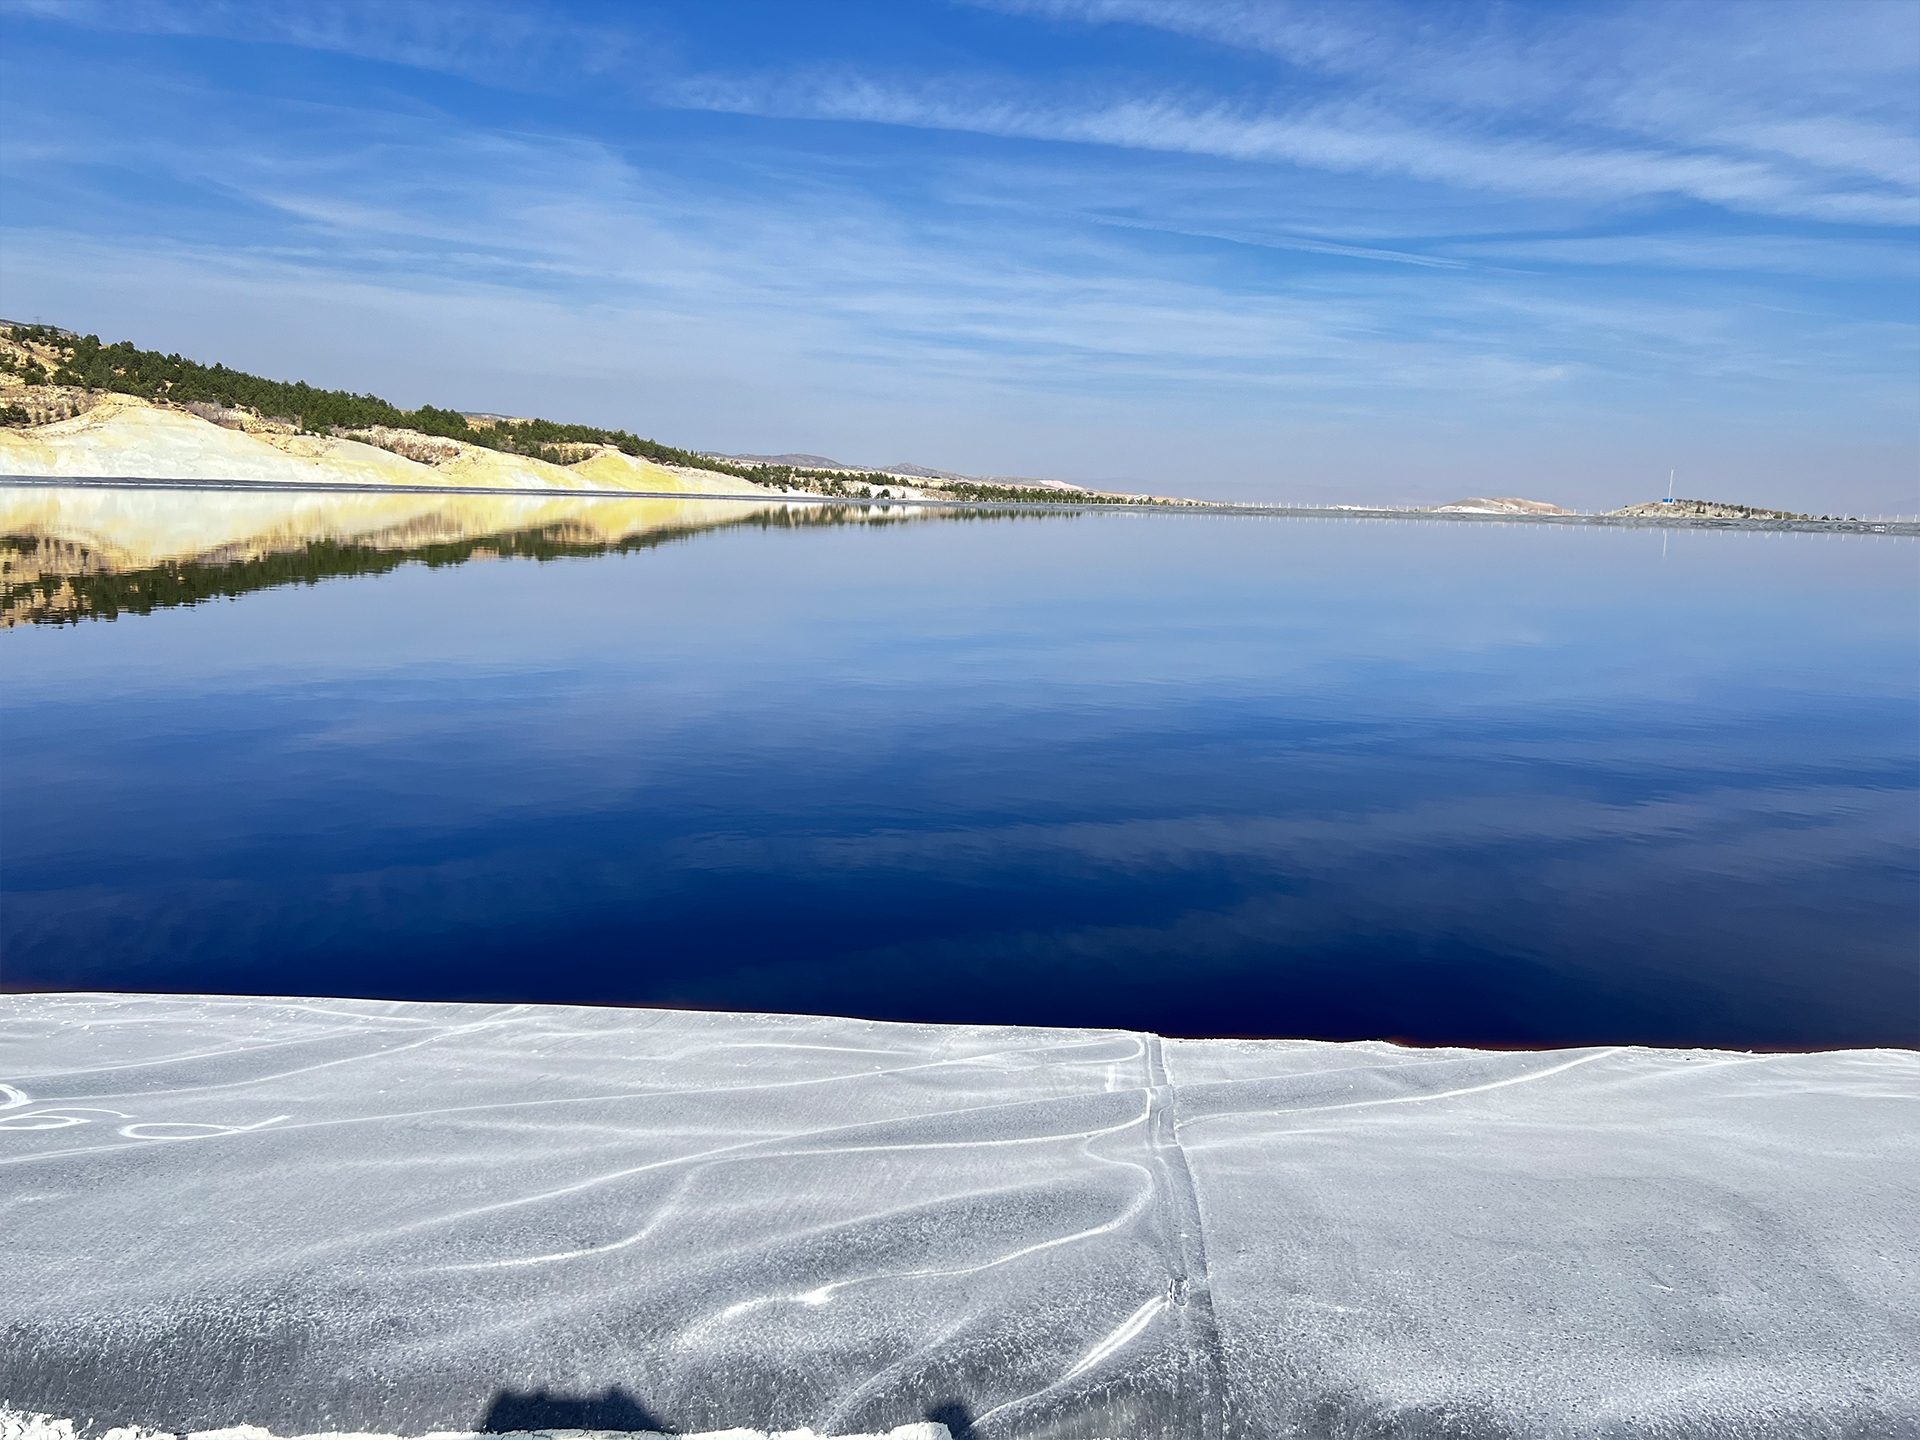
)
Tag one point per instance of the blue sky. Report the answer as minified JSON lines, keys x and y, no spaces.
{"x":1353,"y":251}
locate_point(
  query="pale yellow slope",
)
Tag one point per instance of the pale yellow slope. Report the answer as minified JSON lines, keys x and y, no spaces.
{"x":127,"y":438}
{"x":478,"y":466}
{"x":630,"y":472}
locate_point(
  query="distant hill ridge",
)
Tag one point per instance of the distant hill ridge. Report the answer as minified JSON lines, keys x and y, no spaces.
{"x":905,"y":467}
{"x":1715,"y":509}
{"x":797,"y":462}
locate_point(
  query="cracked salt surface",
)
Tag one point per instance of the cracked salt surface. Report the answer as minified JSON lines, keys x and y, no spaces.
{"x":335,"y":1216}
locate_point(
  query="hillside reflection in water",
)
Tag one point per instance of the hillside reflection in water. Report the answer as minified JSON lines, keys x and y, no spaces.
{"x":70,"y":555}
{"x":1197,"y":774}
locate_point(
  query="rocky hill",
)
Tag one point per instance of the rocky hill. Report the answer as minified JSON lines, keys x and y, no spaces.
{"x":1716,"y":510}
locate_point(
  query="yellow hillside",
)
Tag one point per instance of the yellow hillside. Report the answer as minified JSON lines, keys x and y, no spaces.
{"x":125,"y":438}
{"x":629,"y":472}
{"x":121,"y":437}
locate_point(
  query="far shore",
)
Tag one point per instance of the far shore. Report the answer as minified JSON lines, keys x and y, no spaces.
{"x":1066,"y":502}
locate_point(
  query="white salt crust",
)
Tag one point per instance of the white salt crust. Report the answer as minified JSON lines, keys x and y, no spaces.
{"x":383,"y":1217}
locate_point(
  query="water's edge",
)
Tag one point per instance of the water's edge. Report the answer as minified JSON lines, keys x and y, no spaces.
{"x":1198,"y":507}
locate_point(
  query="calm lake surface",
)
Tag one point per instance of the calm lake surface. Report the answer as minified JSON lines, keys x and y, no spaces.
{"x":1205,"y":775}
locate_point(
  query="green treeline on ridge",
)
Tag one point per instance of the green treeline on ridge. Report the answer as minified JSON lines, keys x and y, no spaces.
{"x":125,"y":369}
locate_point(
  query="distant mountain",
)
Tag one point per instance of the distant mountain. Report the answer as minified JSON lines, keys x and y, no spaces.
{"x":907,"y":467}
{"x":798,"y":462}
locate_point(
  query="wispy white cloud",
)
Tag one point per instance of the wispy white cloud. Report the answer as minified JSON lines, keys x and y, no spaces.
{"x":1614,"y":104}
{"x":1745,"y":254}
{"x":1348,"y":136}
{"x":1306,"y":245}
{"x":1778,"y":108}
{"x":526,"y":46}
{"x":1809,"y":73}
{"x":841,"y":285}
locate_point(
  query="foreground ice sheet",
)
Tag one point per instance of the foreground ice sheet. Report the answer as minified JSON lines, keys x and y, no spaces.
{"x":334,"y":1215}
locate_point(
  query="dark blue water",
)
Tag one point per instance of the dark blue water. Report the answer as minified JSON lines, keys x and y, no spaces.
{"x":1513,"y":785}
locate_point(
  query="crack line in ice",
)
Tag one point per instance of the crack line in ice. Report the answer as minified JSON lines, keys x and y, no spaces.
{"x":505,"y":1012}
{"x":557,"y":1100}
{"x":15,"y":1098}
{"x":208,"y":1132}
{"x":707,"y":1045}
{"x":220,"y":1053}
{"x":65,"y":1115}
{"x":1127,"y":1331}
{"x":1375,"y":1067}
{"x":1415,"y":1099}
{"x":720,"y":1154}
{"x":380,"y":1054}
{"x":824,"y":1293}
{"x":789,"y":1138}
{"x":908,"y":1365}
